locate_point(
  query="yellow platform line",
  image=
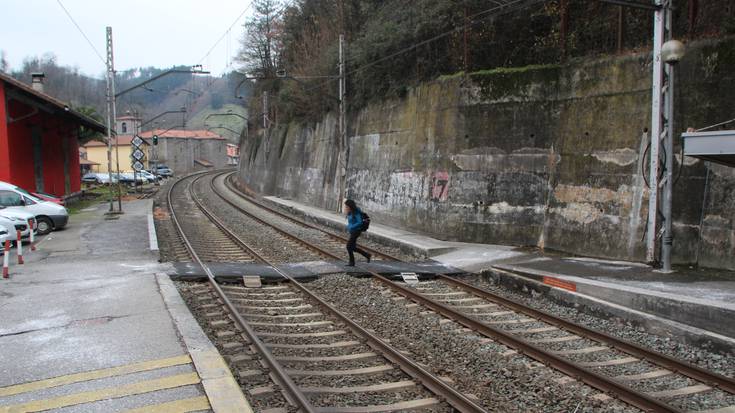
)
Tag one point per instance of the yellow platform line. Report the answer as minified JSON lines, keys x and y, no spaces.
{"x":103,"y":394}
{"x":94,"y":374}
{"x":177,"y":406}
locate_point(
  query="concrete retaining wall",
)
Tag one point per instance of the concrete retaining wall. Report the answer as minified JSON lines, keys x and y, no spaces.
{"x":545,"y":156}
{"x":179,"y":153}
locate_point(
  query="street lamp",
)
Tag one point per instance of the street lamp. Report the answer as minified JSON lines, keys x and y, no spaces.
{"x":671,"y":53}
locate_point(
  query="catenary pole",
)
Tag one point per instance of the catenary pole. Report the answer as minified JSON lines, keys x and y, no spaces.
{"x":114,"y":117}
{"x":657,"y":124}
{"x":111,"y":60}
{"x":344,"y":152}
{"x":668,"y":138}
{"x":110,"y":96}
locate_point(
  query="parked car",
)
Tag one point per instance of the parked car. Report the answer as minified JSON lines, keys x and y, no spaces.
{"x":129,"y":178}
{"x":4,"y":233}
{"x":99,"y":178}
{"x":48,"y":197}
{"x":49,"y":216}
{"x":164,"y":171}
{"x":150,"y":177}
{"x":18,"y":222}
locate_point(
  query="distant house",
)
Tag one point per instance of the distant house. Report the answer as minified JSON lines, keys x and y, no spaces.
{"x":233,"y":154}
{"x":97,"y":151}
{"x":85,"y":164}
{"x":187,"y":151}
{"x":40,"y":138}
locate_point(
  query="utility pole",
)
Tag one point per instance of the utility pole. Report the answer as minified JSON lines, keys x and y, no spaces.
{"x":112,"y":112}
{"x":344,"y":153}
{"x":113,"y":115}
{"x":110,"y":96}
{"x":662,"y":110}
{"x":265,"y":109}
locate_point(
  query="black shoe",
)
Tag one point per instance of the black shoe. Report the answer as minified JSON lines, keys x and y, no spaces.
{"x":368,"y":258}
{"x":351,"y":264}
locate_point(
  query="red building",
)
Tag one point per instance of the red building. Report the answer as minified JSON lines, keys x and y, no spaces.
{"x":40,"y":138}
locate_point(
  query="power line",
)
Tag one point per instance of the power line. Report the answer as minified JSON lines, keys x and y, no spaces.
{"x":102,"y":59}
{"x":225,"y":33}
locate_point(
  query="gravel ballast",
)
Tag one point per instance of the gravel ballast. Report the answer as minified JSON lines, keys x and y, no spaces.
{"x":511,"y":383}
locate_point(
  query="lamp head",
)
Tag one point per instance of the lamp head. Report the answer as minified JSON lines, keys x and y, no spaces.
{"x":672,"y":52}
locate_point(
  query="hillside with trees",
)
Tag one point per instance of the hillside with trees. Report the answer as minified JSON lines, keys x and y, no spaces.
{"x":393,"y":45}
{"x":199,"y":94}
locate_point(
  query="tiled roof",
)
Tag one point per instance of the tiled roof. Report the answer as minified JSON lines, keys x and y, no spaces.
{"x":181,"y":133}
{"x":61,"y":105}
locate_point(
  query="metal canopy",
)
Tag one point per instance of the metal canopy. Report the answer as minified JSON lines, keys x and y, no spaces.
{"x":716,"y":146}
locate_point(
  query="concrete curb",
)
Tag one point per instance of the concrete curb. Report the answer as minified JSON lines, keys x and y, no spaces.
{"x":152,"y":237}
{"x":605,"y":309}
{"x":705,"y":314}
{"x":225,"y":395}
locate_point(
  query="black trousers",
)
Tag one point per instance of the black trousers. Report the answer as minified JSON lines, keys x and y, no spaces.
{"x":352,"y":247}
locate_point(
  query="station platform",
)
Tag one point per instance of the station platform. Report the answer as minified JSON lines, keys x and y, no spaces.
{"x":91,"y":323}
{"x":695,"y":305}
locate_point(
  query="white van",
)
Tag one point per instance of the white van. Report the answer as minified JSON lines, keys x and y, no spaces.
{"x":17,"y":220}
{"x":49,"y":216}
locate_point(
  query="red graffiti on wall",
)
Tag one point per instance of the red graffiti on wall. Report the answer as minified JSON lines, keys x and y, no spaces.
{"x":440,"y":186}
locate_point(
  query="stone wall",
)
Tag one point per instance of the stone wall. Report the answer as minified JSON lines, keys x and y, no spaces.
{"x":547,"y":156}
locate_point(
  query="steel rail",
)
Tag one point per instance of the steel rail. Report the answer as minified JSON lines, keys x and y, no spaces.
{"x":433,"y":383}
{"x":596,"y":380}
{"x":709,"y":378}
{"x":250,"y":199}
{"x":285,"y":381}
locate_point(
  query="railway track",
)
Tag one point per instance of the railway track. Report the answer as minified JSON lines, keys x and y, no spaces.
{"x":643,"y":378}
{"x":292,"y":350}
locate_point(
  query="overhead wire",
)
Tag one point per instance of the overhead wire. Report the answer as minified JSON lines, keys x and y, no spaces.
{"x":102,"y":59}
{"x":211,"y":49}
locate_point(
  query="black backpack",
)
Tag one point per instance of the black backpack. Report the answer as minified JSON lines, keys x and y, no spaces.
{"x":365,"y":222}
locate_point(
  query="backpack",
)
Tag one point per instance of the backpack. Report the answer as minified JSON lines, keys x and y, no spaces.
{"x":365,"y":222}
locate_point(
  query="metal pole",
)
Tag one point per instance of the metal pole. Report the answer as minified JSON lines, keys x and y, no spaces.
{"x":668,"y":236}
{"x":265,"y":109}
{"x":111,"y":69}
{"x":344,"y":152}
{"x":657,"y":127}
{"x":109,"y":116}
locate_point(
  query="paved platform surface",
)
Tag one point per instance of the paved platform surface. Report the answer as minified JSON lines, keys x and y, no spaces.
{"x":91,"y":324}
{"x":703,"y":299}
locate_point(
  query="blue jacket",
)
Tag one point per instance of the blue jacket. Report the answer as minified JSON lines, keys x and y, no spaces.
{"x":354,"y":221}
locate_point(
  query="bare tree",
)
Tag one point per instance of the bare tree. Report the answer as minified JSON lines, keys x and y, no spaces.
{"x":262,"y":42}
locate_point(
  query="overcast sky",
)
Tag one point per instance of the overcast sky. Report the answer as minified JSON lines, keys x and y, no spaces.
{"x":159,"y":33}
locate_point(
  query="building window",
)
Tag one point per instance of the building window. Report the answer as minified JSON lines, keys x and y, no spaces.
{"x":124,"y":127}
